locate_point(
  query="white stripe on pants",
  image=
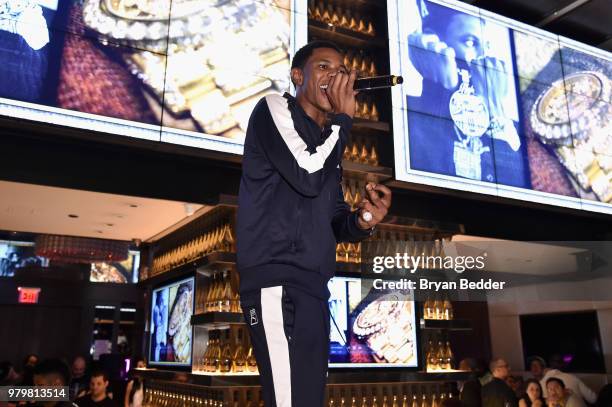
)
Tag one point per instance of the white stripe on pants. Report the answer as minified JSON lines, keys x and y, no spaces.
{"x":278,"y":347}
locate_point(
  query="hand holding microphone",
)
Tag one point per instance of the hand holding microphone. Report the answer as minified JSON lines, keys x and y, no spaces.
{"x":374,"y":207}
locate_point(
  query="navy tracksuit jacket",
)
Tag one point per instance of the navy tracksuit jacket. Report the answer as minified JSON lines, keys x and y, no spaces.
{"x":291,"y":214}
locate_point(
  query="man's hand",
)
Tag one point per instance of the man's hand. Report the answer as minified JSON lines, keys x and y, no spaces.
{"x":434,"y":59}
{"x":376,"y":205}
{"x":341,"y":94}
{"x":490,"y":80}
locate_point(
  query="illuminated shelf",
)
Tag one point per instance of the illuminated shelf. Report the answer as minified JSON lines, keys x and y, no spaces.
{"x":363,"y":124}
{"x":342,"y":35}
{"x":447,"y":325}
{"x":215,"y":320}
{"x":366,"y":172}
{"x":205,"y":265}
{"x":391,"y":375}
{"x":199,"y":379}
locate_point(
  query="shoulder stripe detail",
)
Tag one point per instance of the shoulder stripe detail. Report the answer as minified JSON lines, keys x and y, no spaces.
{"x":279,"y":110}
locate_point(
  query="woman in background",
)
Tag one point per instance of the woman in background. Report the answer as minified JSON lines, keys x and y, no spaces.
{"x":533,"y":395}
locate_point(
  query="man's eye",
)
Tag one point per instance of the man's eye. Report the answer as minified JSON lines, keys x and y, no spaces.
{"x":323,"y":66}
{"x":470,"y":43}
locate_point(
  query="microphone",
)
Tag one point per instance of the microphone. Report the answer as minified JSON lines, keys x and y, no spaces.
{"x":377,"y":82}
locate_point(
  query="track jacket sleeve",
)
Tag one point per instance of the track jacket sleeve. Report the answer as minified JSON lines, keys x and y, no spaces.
{"x":344,"y":222}
{"x":287,"y":152}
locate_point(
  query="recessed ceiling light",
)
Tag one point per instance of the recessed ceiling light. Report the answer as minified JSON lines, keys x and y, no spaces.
{"x":110,"y":224}
{"x":99,"y":231}
{"x":72,"y":215}
{"x":133,"y":206}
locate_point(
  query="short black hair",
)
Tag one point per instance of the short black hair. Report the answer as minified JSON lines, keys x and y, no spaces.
{"x":302,"y":54}
{"x":53,"y":366}
{"x":100,"y":373}
{"x":557,"y":380}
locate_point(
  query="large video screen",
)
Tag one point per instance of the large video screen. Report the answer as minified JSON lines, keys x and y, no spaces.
{"x":374,"y":329}
{"x":178,"y":71}
{"x":16,"y":254}
{"x":493,"y":106}
{"x":170,"y":342}
{"x":121,"y":272}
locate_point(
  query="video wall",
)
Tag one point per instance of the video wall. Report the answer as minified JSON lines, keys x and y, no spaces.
{"x":178,"y":71}
{"x":493,"y":106}
{"x":170,"y":343}
{"x":374,"y":329}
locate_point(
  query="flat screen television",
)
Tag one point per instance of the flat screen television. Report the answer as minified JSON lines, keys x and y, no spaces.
{"x":171,"y":333}
{"x":121,"y":272}
{"x":376,"y":329}
{"x":572,"y":338}
{"x":15,"y":255}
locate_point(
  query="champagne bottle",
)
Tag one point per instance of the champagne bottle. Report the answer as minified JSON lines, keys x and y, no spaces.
{"x":405,"y":401}
{"x":251,"y":361}
{"x":434,"y":401}
{"x":432,"y":362}
{"x":441,"y":356}
{"x":448,"y":353}
{"x":225,"y":366}
{"x":225,"y":298}
{"x":438,"y":308}
{"x":216,"y":356}
{"x":447,"y":309}
{"x":209,"y":293}
{"x":239,"y":356}
{"x":424,"y":401}
{"x":428,"y":309}
{"x":415,"y":402}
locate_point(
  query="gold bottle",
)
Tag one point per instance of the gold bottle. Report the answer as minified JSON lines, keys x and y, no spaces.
{"x":373,"y":158}
{"x":424,"y":401}
{"x":225,"y":299}
{"x":251,"y":361}
{"x":239,"y":356}
{"x":335,"y":17}
{"x":365,"y":111}
{"x":354,"y":153}
{"x":374,"y":113}
{"x":432,"y":359}
{"x":372,"y":70}
{"x":353,"y":24}
{"x":370,"y":30}
{"x":363,"y":68}
{"x":346,"y":155}
{"x":448,"y":356}
{"x":344,"y":23}
{"x":447,"y":308}
{"x":226,"y":362}
{"x":438,"y":309}
{"x":317,"y":11}
{"x":327,"y":14}
{"x":363,"y":156}
{"x":441,"y":356}
{"x":415,"y":402}
{"x":361,"y":28}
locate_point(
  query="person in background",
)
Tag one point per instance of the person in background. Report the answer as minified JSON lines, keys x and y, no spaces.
{"x":97,"y":396}
{"x":533,"y":395}
{"x":29,"y":363}
{"x":571,"y":382}
{"x":537,"y":366}
{"x":8,"y":375}
{"x":80,"y":380}
{"x":516,"y":384}
{"x":497,"y":393}
{"x":134,"y":391}
{"x":51,"y":372}
{"x":470,"y":390}
{"x":605,"y":396}
{"x":559,"y":396}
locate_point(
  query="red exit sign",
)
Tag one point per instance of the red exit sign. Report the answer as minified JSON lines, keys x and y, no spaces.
{"x":28,"y":295}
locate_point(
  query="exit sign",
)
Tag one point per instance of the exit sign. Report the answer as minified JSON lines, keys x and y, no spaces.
{"x":28,"y":295}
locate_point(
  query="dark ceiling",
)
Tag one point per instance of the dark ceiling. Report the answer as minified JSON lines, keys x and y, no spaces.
{"x":587,"y":21}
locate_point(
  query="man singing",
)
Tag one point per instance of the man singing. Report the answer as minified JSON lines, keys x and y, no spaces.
{"x":291,"y":215}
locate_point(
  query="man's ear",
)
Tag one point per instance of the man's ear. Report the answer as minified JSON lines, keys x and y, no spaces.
{"x":297,"y":77}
